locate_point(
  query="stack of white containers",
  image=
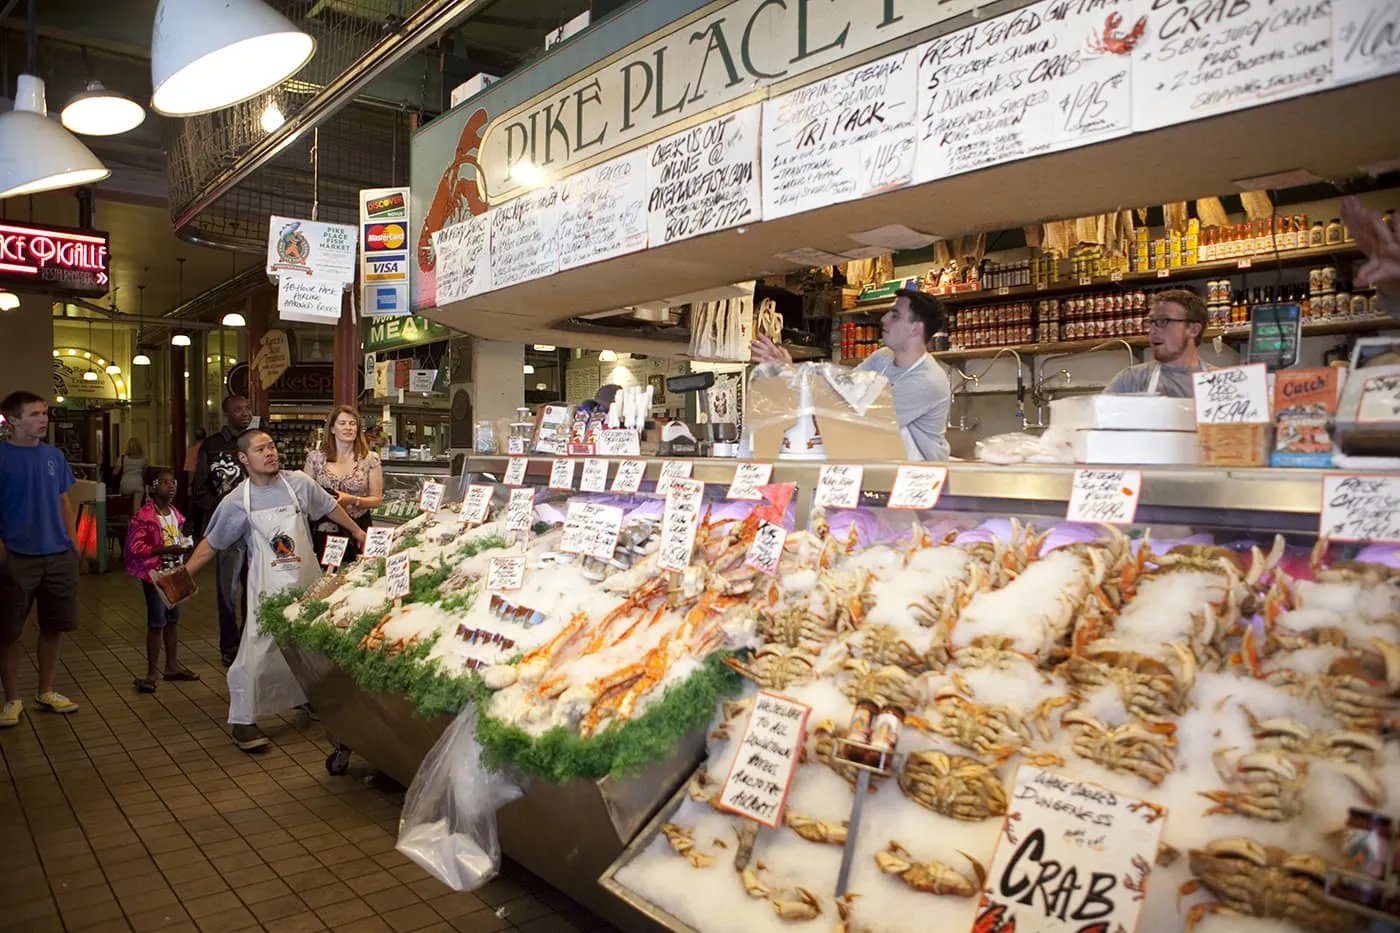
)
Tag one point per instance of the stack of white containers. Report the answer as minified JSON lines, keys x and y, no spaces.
{"x":1146,"y":429}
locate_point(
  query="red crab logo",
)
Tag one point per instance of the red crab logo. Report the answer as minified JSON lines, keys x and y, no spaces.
{"x":1110,"y":43}
{"x":457,"y":194}
{"x":992,"y":919}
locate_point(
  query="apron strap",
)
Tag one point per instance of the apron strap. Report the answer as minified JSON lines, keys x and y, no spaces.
{"x":1156,"y":379}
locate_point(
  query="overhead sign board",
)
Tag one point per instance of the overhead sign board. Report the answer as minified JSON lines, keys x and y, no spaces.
{"x":384,"y":251}
{"x":56,"y":259}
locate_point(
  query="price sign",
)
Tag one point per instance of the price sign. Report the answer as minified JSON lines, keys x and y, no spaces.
{"x":595,"y":476}
{"x":561,"y":474}
{"x":761,"y":776}
{"x":1115,"y":277}
{"x":591,"y":529}
{"x":673,"y":469}
{"x":515,"y":470}
{"x":430,"y":496}
{"x":476,"y":505}
{"x":505,"y":573}
{"x":1104,"y":838}
{"x":377,"y":542}
{"x":516,"y":445}
{"x":767,"y":549}
{"x":1085,"y":280}
{"x":1004,"y":290}
{"x":334,"y":553}
{"x":520,"y":508}
{"x":1245,"y":263}
{"x":396,"y":575}
{"x":1041,"y":286}
{"x":619,"y":442}
{"x":917,"y":487}
{"x":629,"y":476}
{"x":838,"y":486}
{"x":1164,"y":273}
{"x":1380,"y":399}
{"x":678,"y":524}
{"x":1105,"y":496}
{"x":1232,"y":395}
{"x":747,"y":478}
{"x":1361,"y":507}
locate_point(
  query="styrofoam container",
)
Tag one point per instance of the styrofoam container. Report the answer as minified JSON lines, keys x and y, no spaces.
{"x":1123,"y":413}
{"x":1144,"y":447}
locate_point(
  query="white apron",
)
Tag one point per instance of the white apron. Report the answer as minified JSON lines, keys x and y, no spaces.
{"x":280,"y":556}
{"x":1155,"y":381}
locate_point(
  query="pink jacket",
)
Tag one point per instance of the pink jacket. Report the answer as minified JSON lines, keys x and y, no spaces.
{"x":143,"y":537}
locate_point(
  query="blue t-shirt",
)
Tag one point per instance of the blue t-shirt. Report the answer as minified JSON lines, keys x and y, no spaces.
{"x":31,"y":480}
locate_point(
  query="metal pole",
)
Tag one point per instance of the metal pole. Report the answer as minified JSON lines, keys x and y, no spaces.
{"x":848,"y":851}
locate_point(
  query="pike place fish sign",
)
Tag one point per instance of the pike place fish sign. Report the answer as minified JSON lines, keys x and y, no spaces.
{"x":55,"y":259}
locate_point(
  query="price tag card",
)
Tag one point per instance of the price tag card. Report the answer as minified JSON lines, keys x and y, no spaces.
{"x":678,"y":524}
{"x":619,"y":442}
{"x":591,"y":529}
{"x":396,"y":575}
{"x":1380,"y":399}
{"x":515,"y":470}
{"x":595,"y":476}
{"x":838,"y":486}
{"x":629,"y":476}
{"x":505,"y":573}
{"x":334,"y":554}
{"x":1104,"y":838}
{"x":747,"y":478}
{"x":377,"y":542}
{"x":1361,"y":508}
{"x":476,"y":505}
{"x":767,"y":548}
{"x":561,"y":475}
{"x":917,"y":487}
{"x":1108,"y":497}
{"x":430,"y":496}
{"x":1233,"y":395}
{"x":520,"y":508}
{"x":517,"y":445}
{"x":761,"y":776}
{"x":673,"y":469}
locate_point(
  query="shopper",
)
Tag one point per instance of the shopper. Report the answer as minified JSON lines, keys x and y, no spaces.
{"x":38,"y":552}
{"x":155,"y":541}
{"x":269,"y":515}
{"x":1380,"y":241}
{"x":195,"y":519}
{"x":218,"y":471}
{"x":1176,"y":324}
{"x":131,"y":470}
{"x":918,"y":384}
{"x":346,"y":468}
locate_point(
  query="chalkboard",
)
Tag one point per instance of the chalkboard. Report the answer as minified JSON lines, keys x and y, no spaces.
{"x":524,"y":238}
{"x":463,"y":254}
{"x":704,"y":179}
{"x":602,"y":212}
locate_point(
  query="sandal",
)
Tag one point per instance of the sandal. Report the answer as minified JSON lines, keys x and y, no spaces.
{"x":183,"y":675}
{"x":144,"y":685}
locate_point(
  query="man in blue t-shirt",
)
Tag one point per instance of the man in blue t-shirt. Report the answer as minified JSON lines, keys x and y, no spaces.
{"x":38,"y":551}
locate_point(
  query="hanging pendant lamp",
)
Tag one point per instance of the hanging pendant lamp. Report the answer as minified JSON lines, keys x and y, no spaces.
{"x":100,"y":112}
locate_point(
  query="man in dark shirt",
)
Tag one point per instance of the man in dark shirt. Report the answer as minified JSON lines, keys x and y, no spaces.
{"x":217,"y":472}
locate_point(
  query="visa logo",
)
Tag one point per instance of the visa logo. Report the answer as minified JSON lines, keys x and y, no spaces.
{"x":384,"y":267}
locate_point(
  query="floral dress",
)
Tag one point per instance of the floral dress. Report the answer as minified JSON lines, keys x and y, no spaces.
{"x":355,"y":483}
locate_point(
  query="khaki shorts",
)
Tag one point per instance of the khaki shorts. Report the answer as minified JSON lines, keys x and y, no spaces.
{"x":51,"y":580}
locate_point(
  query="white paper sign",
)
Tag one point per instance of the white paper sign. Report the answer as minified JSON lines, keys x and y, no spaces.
{"x":917,"y":487}
{"x":463,"y":257}
{"x":595,"y":476}
{"x":520,"y":508}
{"x":516,"y":445}
{"x":838,"y":486}
{"x":618,"y":442}
{"x":309,"y":300}
{"x":1105,"y":840}
{"x":747,"y":478}
{"x":704,"y":179}
{"x":298,"y":248}
{"x":476,"y":504}
{"x":591,"y":529}
{"x":334,"y":553}
{"x":1380,"y":398}
{"x":761,"y":775}
{"x":430,"y":496}
{"x":561,"y":474}
{"x":1365,"y":39}
{"x":1109,"y":497}
{"x":1361,"y":508}
{"x":678,"y":524}
{"x":505,"y":573}
{"x":603,"y":211}
{"x":766,"y":551}
{"x":377,"y":542}
{"x":673,"y":469}
{"x":523,"y":238}
{"x":396,"y":575}
{"x":421,"y":380}
{"x":515,"y":470}
{"x":628,"y":477}
{"x":1232,"y":395}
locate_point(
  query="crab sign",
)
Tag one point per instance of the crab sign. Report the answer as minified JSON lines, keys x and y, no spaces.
{"x":1111,"y":42}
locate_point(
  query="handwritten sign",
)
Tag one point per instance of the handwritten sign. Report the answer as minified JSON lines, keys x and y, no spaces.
{"x":917,"y":487}
{"x":1066,"y":829}
{"x":618,"y":442}
{"x":430,"y":496}
{"x":603,"y":211}
{"x":766,"y":551}
{"x":463,"y":253}
{"x":1380,"y":398}
{"x":747,"y":478}
{"x":422,"y":380}
{"x":396,"y":575}
{"x":1365,"y":40}
{"x":704,"y":179}
{"x":1362,"y":508}
{"x":377,"y":542}
{"x":334,"y":553}
{"x":505,"y":573}
{"x":515,"y":470}
{"x":591,"y":529}
{"x":838,"y":486}
{"x":629,"y":476}
{"x":1104,"y":496}
{"x":520,"y":508}
{"x":673,"y":469}
{"x":595,"y":476}
{"x":309,"y":300}
{"x":523,"y":238}
{"x":848,"y":137}
{"x":476,"y":504}
{"x":1233,"y":395}
{"x":517,"y":445}
{"x":761,"y":775}
{"x":561,"y":474}
{"x":678,"y":524}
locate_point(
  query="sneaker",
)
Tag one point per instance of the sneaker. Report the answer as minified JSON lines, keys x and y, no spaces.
{"x":9,"y":713}
{"x":227,"y":658}
{"x":55,"y":703}
{"x":249,"y":738}
{"x":310,"y":713}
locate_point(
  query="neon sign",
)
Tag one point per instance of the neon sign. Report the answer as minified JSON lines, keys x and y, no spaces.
{"x":57,"y":259}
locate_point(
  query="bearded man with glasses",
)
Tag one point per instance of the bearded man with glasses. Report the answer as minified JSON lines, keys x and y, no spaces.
{"x":1175,"y":327}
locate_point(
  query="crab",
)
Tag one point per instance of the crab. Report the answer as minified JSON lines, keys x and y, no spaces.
{"x":884,"y":685}
{"x":806,"y":907}
{"x":682,"y":841}
{"x":816,"y":830}
{"x":841,"y":599}
{"x":941,"y":611}
{"x":986,"y":730}
{"x":931,"y":877}
{"x":794,"y":627}
{"x":953,"y":785}
{"x":881,"y":644}
{"x":1293,"y":737}
{"x":824,"y":750}
{"x":996,"y":652}
{"x":1132,"y":748}
{"x":1253,"y":880}
{"x":1150,"y":688}
{"x":1273,"y":785}
{"x":776,"y":667}
{"x":1347,"y":690}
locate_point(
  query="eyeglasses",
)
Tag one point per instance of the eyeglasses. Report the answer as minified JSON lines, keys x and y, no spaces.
{"x":1160,"y":323}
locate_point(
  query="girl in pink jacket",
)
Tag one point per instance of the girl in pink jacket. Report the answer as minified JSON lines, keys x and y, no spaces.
{"x":154,"y":542}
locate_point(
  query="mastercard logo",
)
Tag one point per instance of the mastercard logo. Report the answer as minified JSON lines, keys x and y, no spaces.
{"x":385,"y":236}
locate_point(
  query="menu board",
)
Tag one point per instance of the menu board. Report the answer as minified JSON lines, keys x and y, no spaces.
{"x":524,"y":238}
{"x":1195,"y":62}
{"x":602,"y":212}
{"x":1049,"y":76}
{"x":463,"y":254}
{"x":704,"y":179}
{"x":1365,"y":39}
{"x":847,"y":137}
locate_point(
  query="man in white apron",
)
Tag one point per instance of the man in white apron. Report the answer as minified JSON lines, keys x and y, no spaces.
{"x":271,"y":514}
{"x":1176,"y":326}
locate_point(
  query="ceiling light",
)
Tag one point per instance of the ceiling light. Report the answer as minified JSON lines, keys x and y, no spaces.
{"x":607,"y":356}
{"x":234,"y":319}
{"x":541,"y":386}
{"x":36,"y":154}
{"x":72,"y":352}
{"x":544,"y":347}
{"x":58,"y":399}
{"x":121,"y":397}
{"x":140,"y":359}
{"x":272,"y":118}
{"x":231,"y":361}
{"x":55,"y":353}
{"x":529,"y":370}
{"x":100,"y":112}
{"x":187,"y":374}
{"x":8,"y":301}
{"x":113,"y":369}
{"x":87,"y":355}
{"x":180,"y":340}
{"x":90,"y":375}
{"x":101,"y":361}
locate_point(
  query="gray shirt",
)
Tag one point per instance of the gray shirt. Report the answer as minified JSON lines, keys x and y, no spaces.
{"x":230,"y":526}
{"x":1175,"y":381}
{"x":921,"y":394}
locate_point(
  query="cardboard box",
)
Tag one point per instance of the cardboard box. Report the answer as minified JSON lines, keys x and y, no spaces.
{"x":1235,"y":445}
{"x":847,"y":436}
{"x":1123,"y":413}
{"x":1136,"y":447}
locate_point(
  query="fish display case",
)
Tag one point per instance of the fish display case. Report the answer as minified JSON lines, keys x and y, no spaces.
{"x":403,"y":481}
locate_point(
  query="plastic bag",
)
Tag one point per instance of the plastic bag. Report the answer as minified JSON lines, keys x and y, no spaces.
{"x":448,"y":823}
{"x":1054,"y":446}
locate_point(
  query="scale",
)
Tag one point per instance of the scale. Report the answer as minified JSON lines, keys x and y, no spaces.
{"x":1274,"y":332}
{"x":677,"y":441}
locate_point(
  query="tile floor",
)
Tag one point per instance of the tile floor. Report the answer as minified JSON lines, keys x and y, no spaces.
{"x":138,"y":814}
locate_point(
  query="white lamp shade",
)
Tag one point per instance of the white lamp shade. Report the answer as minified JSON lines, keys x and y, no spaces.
{"x":113,"y":369}
{"x":8,"y":301}
{"x":89,"y":376}
{"x":211,"y":54}
{"x":36,"y":154}
{"x":100,"y":112}
{"x":234,"y":319}
{"x":140,"y":359}
{"x":180,"y":340}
